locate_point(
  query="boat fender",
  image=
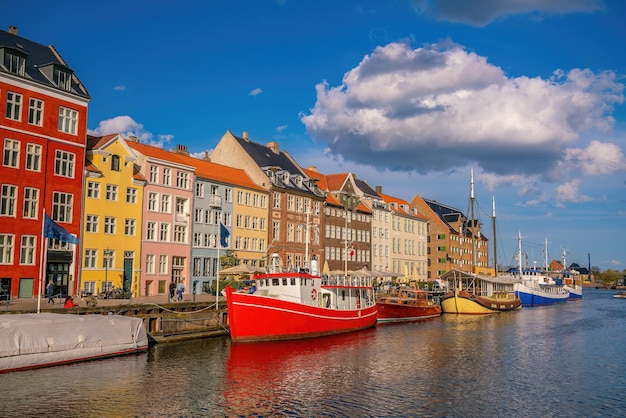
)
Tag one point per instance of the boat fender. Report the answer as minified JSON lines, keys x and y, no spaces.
{"x":313,"y":294}
{"x":403,"y":294}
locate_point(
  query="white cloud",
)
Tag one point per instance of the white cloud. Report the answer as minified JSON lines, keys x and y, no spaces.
{"x":440,"y":106}
{"x":597,"y":159}
{"x":127,"y":127}
{"x":281,"y":128}
{"x":483,"y":12}
{"x":568,"y":192}
{"x":119,"y":88}
{"x":614,"y":262}
{"x":255,"y":92}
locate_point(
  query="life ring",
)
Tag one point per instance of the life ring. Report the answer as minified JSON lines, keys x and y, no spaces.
{"x":313,"y":294}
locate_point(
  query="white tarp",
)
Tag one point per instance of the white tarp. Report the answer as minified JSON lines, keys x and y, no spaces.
{"x":37,"y":340}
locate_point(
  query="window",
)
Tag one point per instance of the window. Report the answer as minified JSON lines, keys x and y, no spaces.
{"x":154,"y":174}
{"x":182,"y":180}
{"x":290,"y":203}
{"x":27,"y":250}
{"x":163,"y":264}
{"x":11,"y":153}
{"x":180,"y":206}
{"x":164,"y":233}
{"x":131,"y":195}
{"x":290,"y":232}
{"x":91,"y":223}
{"x":31,"y":199}
{"x":199,"y":189}
{"x":64,"y":164}
{"x":33,"y":157}
{"x":165,"y":203}
{"x":6,"y":248}
{"x":180,"y":233}
{"x":62,"y":207}
{"x":109,"y":225}
{"x":129,"y":227}
{"x":240,"y":197}
{"x":15,"y":62}
{"x":152,"y":202}
{"x":111,"y":192}
{"x":90,"y":258}
{"x":89,"y":288}
{"x":150,"y":263}
{"x":68,"y":120}
{"x":93,"y":190}
{"x":62,"y":78}
{"x":115,"y":163}
{"x":276,"y":200}
{"x":167,"y":177}
{"x":14,"y":106}
{"x":8,"y":200}
{"x":35,"y":111}
{"x":108,"y":258}
{"x":275,"y":230}
{"x":151,"y":231}
{"x":228,"y":193}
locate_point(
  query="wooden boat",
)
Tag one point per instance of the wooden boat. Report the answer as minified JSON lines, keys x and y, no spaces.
{"x":299,"y":304}
{"x":473,"y":294}
{"x":403,"y":305}
{"x":29,"y":341}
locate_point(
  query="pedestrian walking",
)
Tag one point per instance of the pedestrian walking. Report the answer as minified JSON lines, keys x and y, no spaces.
{"x":172,"y":290}
{"x":180,"y":289}
{"x":50,"y":290}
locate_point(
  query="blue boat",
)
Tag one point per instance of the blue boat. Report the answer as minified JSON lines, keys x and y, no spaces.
{"x":571,"y":279}
{"x":535,"y":286}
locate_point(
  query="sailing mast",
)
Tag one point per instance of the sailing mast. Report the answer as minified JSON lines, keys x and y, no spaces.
{"x":472,"y":224}
{"x":495,"y":248}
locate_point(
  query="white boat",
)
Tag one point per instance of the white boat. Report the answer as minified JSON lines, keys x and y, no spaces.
{"x":29,"y":341}
{"x":536,"y":288}
{"x":620,"y":295}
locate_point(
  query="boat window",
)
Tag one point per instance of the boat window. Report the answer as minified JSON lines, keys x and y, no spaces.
{"x":293,"y":281}
{"x":343,"y":295}
{"x":275,"y":282}
{"x":284,"y":281}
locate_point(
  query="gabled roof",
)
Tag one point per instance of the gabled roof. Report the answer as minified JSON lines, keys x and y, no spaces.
{"x":264,"y":157}
{"x":38,"y":57}
{"x":446,"y":213}
{"x":365,"y":188}
{"x":400,"y":203}
{"x":158,"y":153}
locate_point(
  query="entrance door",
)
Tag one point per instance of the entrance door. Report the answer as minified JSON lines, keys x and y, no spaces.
{"x":59,"y":273}
{"x":26,"y":288}
{"x":128,"y":274}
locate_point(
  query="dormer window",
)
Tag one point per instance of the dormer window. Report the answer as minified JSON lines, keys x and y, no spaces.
{"x":62,"y":78}
{"x":286,"y":177}
{"x":14,"y":61}
{"x":115,"y":163}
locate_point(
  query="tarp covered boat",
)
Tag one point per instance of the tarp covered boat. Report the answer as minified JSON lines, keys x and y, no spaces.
{"x":29,"y":341}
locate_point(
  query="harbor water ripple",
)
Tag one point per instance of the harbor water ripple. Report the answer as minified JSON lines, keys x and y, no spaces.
{"x":567,"y":360}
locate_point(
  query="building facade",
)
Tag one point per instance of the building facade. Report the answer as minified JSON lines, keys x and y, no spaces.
{"x":43,"y":131}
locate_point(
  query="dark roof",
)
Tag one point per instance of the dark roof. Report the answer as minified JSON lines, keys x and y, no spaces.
{"x":365,"y":188}
{"x":38,"y":56}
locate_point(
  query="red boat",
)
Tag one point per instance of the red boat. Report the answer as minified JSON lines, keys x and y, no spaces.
{"x":406,"y":305}
{"x":292,"y":305}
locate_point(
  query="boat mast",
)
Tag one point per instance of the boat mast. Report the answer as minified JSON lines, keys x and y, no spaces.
{"x":472,"y":224}
{"x":519,"y":253}
{"x":495,"y":248}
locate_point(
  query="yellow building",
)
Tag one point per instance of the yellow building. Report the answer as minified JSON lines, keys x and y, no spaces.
{"x":111,"y":246}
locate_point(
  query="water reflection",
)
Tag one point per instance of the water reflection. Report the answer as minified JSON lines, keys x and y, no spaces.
{"x":565,"y":360}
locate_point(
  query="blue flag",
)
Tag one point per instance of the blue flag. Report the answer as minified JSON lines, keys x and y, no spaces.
{"x":224,"y":234}
{"x":53,"y":230}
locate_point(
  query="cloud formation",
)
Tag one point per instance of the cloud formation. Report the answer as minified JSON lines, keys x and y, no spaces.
{"x":439,"y":107}
{"x":483,"y":12}
{"x":255,"y":92}
{"x":127,"y":127}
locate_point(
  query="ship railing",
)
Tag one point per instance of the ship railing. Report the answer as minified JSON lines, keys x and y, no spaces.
{"x":350,"y":281}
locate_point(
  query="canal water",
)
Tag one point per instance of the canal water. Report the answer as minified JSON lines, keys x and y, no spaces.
{"x":565,"y":360}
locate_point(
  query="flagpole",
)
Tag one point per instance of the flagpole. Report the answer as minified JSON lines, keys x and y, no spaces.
{"x":217,"y":279}
{"x":42,"y":260}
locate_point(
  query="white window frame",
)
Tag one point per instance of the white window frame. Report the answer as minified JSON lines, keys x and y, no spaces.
{"x":68,"y":120}
{"x":27,"y":250}
{"x":8,"y":200}
{"x":7,"y":241}
{"x":11,"y":154}
{"x":35,"y":111}
{"x":64,"y":164}
{"x":31,"y":203}
{"x":33,"y":157}
{"x":14,"y":106}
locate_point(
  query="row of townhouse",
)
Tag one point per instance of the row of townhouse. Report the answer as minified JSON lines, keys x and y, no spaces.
{"x":146,"y":216}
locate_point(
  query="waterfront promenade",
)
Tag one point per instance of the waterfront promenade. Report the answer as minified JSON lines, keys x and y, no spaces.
{"x":30,"y":304}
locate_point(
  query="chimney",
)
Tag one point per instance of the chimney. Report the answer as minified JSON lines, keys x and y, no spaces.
{"x":313,"y":168}
{"x":133,"y":138}
{"x":13,"y":30}
{"x":379,"y":189}
{"x":182,"y":150}
{"x":245,"y":136}
{"x":206,"y":156}
{"x":273,"y":146}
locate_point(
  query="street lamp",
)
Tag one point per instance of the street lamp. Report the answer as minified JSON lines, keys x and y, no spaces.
{"x":107,"y":255}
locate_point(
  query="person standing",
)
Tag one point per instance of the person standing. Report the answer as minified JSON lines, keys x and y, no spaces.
{"x":50,"y":290}
{"x":172,"y":290}
{"x":180,"y":289}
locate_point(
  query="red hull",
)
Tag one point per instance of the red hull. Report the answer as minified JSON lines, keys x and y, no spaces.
{"x":260,"y":318}
{"x":390,"y":312}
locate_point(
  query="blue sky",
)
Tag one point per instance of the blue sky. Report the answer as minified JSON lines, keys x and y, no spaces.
{"x":409,"y":95}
